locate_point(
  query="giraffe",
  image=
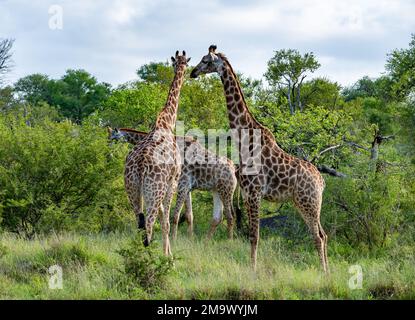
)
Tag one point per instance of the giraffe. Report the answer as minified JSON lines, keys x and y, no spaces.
{"x":204,"y":171}
{"x":153,"y":166}
{"x":279,"y":176}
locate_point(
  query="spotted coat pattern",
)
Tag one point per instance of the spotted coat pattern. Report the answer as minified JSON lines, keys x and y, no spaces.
{"x":153,"y":166}
{"x":203,"y":171}
{"x":281,"y":176}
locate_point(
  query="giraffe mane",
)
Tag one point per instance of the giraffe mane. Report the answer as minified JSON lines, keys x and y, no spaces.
{"x":262,"y":127}
{"x":186,"y":138}
{"x":132,"y":130}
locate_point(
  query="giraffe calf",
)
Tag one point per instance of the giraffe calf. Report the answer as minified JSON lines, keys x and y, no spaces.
{"x":201,"y":170}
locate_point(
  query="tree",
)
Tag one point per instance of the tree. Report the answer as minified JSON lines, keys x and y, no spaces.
{"x":287,"y":70}
{"x":367,"y":87}
{"x":79,"y":94}
{"x":5,"y":56}
{"x":76,"y":95}
{"x":34,"y":88}
{"x":157,"y":72}
{"x":401,"y":67}
{"x":321,"y":92}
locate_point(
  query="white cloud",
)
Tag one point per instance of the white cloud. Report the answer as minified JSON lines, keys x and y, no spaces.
{"x":112,"y":38}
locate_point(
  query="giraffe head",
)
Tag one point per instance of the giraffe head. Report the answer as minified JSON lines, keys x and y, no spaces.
{"x":179,"y":60}
{"x":115,"y":134}
{"x":212,"y":62}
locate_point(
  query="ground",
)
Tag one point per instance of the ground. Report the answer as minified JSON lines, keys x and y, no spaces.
{"x":92,"y":269}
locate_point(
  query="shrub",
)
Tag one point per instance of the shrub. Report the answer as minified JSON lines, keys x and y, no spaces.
{"x":145,"y":265}
{"x":59,"y":176}
{"x":365,"y":209}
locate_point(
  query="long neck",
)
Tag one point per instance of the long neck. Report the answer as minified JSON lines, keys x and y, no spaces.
{"x":133,"y":136}
{"x":238,"y":113}
{"x":167,"y":117}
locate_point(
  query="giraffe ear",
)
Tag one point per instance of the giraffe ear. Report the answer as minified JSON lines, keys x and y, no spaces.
{"x":188,"y":59}
{"x":173,"y":60}
{"x":212,"y":48}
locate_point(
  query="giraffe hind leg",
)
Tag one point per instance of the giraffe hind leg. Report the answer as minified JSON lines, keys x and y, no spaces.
{"x":217,"y":214}
{"x":136,"y":200}
{"x":309,"y":207}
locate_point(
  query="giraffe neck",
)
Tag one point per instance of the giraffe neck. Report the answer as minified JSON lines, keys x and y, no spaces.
{"x":167,"y":117}
{"x":238,"y":113}
{"x":133,"y":136}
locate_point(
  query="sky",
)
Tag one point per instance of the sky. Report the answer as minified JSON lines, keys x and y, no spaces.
{"x":111,"y":39}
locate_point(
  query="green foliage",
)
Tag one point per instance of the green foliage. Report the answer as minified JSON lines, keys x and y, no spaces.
{"x":136,"y":106}
{"x":76,"y":95}
{"x":321,"y":92}
{"x":66,"y":254}
{"x":366,"y":87}
{"x":365,"y":209}
{"x":218,"y":270}
{"x":401,"y":67}
{"x":35,"y":88}
{"x":146,"y":266}
{"x":287,"y":70}
{"x":156,"y":72}
{"x":307,"y":133}
{"x":59,"y":176}
{"x":290,"y":64}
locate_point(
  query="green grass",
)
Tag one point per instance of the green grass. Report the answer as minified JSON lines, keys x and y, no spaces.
{"x":92,"y":269}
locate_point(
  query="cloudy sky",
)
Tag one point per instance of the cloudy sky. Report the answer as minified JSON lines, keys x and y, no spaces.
{"x":111,"y":39}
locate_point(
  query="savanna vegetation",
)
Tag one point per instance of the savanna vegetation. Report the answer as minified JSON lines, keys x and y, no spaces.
{"x":62,"y":197}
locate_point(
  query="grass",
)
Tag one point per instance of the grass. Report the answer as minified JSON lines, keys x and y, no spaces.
{"x":92,"y":269}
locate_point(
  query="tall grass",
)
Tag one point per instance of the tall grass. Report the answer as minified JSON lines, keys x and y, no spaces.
{"x":220,"y":269}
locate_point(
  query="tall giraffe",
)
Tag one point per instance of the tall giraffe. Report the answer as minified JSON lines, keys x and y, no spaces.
{"x":202,"y":170}
{"x":280,"y":176}
{"x":153,"y":166}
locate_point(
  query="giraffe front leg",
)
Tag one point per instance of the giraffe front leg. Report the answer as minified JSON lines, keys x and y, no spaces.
{"x":253,"y":204}
{"x":165,"y":214}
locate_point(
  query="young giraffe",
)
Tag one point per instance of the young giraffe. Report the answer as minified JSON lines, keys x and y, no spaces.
{"x":215,"y":174}
{"x":153,"y":166}
{"x":280,"y":176}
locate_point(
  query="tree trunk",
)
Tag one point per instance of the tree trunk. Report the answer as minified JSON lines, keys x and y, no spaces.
{"x":289,"y":99}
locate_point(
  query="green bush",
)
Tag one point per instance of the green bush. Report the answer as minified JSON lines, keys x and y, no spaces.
{"x":59,"y":176}
{"x":365,"y":209}
{"x":146,"y":266}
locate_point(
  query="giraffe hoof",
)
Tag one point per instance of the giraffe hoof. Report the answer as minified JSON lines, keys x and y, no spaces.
{"x":146,"y":242}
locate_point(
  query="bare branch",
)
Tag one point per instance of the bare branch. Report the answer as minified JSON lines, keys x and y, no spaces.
{"x":326,"y":150}
{"x":5,"y":56}
{"x":330,"y":171}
